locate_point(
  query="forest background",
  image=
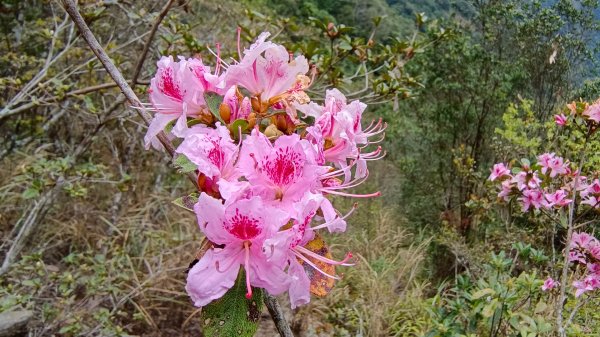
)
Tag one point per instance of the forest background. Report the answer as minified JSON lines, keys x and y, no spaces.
{"x":93,"y":245}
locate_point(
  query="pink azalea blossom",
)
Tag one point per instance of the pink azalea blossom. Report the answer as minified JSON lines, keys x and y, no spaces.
{"x":213,"y":151}
{"x":549,"y":284}
{"x":533,"y":198}
{"x":581,"y":240}
{"x":558,"y":199}
{"x":338,"y":130}
{"x":557,"y":166}
{"x":592,"y":189}
{"x":506,"y":190}
{"x":593,"y":268}
{"x":554,"y":164}
{"x":242,"y":227}
{"x":177,"y":92}
{"x":590,"y":283}
{"x":593,"y":249}
{"x":591,"y":194}
{"x":287,"y":249}
{"x":576,"y":256}
{"x":593,"y":112}
{"x":525,"y":179}
{"x":283,"y":171}
{"x":266,"y":71}
{"x":591,"y":201}
{"x":263,"y":198}
{"x":499,"y":170}
{"x":560,"y":119}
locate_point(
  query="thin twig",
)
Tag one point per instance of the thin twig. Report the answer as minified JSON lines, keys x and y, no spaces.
{"x":142,"y":58}
{"x":277,"y":315}
{"x":71,"y":8}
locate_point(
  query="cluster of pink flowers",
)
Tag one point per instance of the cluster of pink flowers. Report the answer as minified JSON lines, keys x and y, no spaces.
{"x":588,"y":112}
{"x":544,"y":185}
{"x":548,"y":184}
{"x":266,"y":162}
{"x":585,"y":250}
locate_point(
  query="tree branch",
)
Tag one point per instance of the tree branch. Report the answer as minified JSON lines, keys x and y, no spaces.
{"x":142,"y":58}
{"x":71,"y":8}
{"x":277,"y":315}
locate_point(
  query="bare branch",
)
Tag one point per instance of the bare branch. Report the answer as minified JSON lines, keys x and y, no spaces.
{"x":71,"y":8}
{"x":277,"y":314}
{"x":142,"y":58}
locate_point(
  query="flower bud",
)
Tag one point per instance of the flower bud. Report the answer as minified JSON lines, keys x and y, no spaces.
{"x":225,"y":112}
{"x":272,"y":132}
{"x":251,"y":120}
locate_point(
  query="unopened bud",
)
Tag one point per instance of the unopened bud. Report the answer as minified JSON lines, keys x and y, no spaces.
{"x":225,"y":112}
{"x":271,"y":131}
{"x":251,"y":120}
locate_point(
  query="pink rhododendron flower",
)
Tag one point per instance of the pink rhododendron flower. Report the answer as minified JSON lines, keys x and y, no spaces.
{"x":557,"y":166}
{"x":498,"y":171}
{"x":591,"y":193}
{"x":506,"y":190}
{"x":593,"y":188}
{"x":593,"y":112}
{"x":177,"y":91}
{"x":533,"y":198}
{"x":558,"y":199}
{"x":581,"y":240}
{"x":266,"y":71}
{"x":590,"y":283}
{"x":585,"y":249}
{"x":242,"y":227}
{"x":525,"y":179}
{"x":264,"y":196}
{"x":287,"y":248}
{"x":549,"y":284}
{"x":338,"y":126}
{"x":283,"y":171}
{"x":213,"y":151}
{"x":576,"y":256}
{"x":552,"y":163}
{"x":560,"y":119}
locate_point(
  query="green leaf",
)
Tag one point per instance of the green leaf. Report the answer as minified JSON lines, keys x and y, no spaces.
{"x":483,"y":292}
{"x":183,"y":164}
{"x":233,"y":314}
{"x":239,"y":125}
{"x":30,"y":193}
{"x":213,"y":102}
{"x":187,"y":201}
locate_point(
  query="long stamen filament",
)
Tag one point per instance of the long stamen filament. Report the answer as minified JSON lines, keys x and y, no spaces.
{"x":239,"y":33}
{"x":218,"y":66}
{"x":324,"y":259}
{"x":326,"y":224}
{"x":376,"y":194}
{"x":303,"y":258}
